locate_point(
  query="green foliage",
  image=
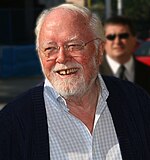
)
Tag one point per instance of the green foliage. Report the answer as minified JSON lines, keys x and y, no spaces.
{"x":98,"y":8}
{"x":137,"y":9}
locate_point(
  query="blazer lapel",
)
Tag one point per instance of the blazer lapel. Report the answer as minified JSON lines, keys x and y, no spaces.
{"x":105,"y":68}
{"x":126,"y":130}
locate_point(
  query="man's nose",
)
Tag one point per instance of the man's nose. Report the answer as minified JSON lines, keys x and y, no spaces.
{"x":117,"y":39}
{"x":62,"y":55}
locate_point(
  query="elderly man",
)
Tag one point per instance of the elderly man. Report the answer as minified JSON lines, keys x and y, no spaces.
{"x":76,"y":114}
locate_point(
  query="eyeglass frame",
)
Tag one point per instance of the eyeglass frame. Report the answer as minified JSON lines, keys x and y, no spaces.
{"x":112,"y":37}
{"x":66,"y":46}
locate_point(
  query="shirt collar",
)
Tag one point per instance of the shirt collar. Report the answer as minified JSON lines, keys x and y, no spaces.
{"x":51,"y":89}
{"x":102,"y":96}
{"x":128,"y":65}
{"x":115,"y":65}
{"x":103,"y":87}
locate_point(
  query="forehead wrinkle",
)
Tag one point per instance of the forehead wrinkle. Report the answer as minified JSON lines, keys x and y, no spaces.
{"x":75,"y":37}
{"x":77,"y":26}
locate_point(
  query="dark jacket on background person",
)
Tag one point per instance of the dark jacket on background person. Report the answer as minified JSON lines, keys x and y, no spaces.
{"x":24,"y":129}
{"x":141,"y":77}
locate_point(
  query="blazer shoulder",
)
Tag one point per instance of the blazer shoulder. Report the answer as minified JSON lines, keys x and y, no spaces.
{"x":104,"y":68}
{"x":116,"y":85}
{"x":25,"y":99}
{"x":23,"y":107}
{"x":139,"y":66}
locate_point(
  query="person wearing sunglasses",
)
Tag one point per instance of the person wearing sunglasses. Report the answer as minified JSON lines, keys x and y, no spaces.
{"x":119,"y":57}
{"x":75,"y":114}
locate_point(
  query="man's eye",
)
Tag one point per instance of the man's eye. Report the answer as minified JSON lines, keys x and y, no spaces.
{"x":50,"y":48}
{"x":50,"y":51}
{"x":75,"y":46}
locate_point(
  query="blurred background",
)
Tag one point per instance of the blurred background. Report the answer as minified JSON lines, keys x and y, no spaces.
{"x":19,"y":65}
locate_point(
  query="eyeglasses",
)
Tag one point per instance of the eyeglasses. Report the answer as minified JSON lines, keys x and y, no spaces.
{"x":73,"y":47}
{"x":112,"y":37}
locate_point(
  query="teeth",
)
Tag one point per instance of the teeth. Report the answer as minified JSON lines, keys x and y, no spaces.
{"x":68,"y":71}
{"x":62,"y":72}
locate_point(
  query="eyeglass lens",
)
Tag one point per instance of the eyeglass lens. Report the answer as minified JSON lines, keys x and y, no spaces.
{"x":73,"y":47}
{"x":112,"y":37}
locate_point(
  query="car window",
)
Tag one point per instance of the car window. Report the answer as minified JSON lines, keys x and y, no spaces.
{"x":143,"y":50}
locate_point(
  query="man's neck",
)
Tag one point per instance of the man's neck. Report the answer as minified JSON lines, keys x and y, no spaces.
{"x":84,"y":108}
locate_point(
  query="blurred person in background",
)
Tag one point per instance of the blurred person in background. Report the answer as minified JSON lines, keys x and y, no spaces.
{"x":75,"y":114}
{"x":119,"y":58}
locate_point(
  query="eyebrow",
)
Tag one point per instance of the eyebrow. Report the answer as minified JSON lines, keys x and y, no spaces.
{"x":74,"y":38}
{"x":69,"y":40}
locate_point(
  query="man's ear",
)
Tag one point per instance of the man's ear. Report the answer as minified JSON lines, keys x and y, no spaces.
{"x":100,"y":52}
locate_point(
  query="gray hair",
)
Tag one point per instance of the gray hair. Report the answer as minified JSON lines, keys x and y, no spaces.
{"x":94,"y":21}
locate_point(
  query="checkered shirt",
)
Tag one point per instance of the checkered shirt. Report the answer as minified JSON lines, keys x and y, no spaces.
{"x":70,"y":139}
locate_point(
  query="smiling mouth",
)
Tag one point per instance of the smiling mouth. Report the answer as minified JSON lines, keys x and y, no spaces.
{"x":67,"y":71}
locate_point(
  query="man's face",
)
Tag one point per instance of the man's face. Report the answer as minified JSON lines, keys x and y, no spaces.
{"x":70,"y":72}
{"x":120,"y":43}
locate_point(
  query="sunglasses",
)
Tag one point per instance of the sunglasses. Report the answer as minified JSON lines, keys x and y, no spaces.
{"x":111,"y":37}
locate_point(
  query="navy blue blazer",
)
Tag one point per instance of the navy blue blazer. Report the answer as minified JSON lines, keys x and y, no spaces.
{"x":24,"y":130}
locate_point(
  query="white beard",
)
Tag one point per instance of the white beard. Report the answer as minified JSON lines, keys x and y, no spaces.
{"x":75,"y":86}
{"x":70,"y":87}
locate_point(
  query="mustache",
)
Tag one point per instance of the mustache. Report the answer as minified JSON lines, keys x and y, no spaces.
{"x":66,"y":66}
